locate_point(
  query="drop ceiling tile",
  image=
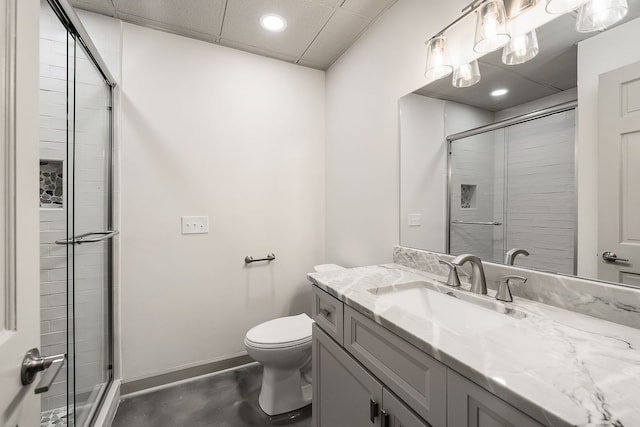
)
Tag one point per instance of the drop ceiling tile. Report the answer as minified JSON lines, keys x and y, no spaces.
{"x":202,"y":16}
{"x":312,"y":64}
{"x":304,"y":18}
{"x":104,"y":7}
{"x":340,"y":32}
{"x":329,"y":3}
{"x":180,"y":31}
{"x":368,"y":8}
{"x":256,"y":50}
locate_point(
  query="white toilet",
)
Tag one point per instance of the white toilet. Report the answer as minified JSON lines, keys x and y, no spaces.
{"x":283,"y":346}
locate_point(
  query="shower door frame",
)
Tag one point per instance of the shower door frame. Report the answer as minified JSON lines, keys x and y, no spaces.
{"x":502,"y":124}
{"x":67,"y":16}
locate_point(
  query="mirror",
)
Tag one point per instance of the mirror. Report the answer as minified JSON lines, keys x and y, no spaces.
{"x":530,"y":181}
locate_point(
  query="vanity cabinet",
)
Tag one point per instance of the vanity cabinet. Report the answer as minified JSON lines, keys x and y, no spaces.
{"x":365,"y":375}
{"x":472,"y":406}
{"x":347,"y":395}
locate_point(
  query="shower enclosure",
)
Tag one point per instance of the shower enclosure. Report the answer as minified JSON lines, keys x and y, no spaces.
{"x":75,"y":217}
{"x":512,"y":185}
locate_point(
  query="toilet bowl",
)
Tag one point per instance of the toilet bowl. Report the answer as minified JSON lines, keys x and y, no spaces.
{"x":283,"y":346}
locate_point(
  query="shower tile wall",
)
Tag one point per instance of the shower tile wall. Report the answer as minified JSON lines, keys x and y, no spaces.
{"x":541,"y":211}
{"x":89,"y":260}
{"x":474,"y":164}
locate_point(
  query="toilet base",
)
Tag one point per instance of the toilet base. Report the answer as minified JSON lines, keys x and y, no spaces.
{"x":283,"y":390}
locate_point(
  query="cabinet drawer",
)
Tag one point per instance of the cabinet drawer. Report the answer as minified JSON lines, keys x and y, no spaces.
{"x":418,"y":379}
{"x":473,"y":406}
{"x":327,"y":312}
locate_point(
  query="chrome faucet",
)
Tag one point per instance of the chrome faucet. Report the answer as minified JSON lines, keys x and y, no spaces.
{"x":510,"y":256}
{"x":478,"y":281}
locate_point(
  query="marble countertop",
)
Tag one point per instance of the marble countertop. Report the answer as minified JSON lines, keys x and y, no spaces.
{"x":560,"y":367}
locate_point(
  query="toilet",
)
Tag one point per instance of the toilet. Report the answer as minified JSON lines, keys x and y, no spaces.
{"x":283,"y":346}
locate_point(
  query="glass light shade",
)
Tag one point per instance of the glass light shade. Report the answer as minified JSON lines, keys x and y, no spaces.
{"x":559,"y":7}
{"x":466,"y":75}
{"x":521,"y":49}
{"x":597,"y":15}
{"x":491,"y":27}
{"x":438,"y":63}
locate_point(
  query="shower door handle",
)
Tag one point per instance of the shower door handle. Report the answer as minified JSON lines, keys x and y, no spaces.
{"x":34,"y":363}
{"x":87,"y":237}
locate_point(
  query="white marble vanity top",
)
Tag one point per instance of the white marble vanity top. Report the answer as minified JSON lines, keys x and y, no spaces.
{"x":560,"y":367}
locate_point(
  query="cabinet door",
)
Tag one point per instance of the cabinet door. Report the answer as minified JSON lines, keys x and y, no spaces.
{"x":471,"y":406}
{"x":399,"y":415}
{"x":418,"y":379}
{"x":342,"y":389}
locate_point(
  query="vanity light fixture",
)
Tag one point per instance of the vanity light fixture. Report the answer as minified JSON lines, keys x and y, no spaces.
{"x":491,"y":27}
{"x":466,"y":75}
{"x":438,"y":63}
{"x":521,"y":48}
{"x":499,"y":92}
{"x":558,"y":7}
{"x":596,"y":15}
{"x":273,"y":23}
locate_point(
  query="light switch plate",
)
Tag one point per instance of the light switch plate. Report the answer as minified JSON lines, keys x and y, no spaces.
{"x":195,"y":224}
{"x":415,"y":220}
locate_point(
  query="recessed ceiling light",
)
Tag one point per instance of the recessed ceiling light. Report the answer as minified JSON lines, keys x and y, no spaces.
{"x":272,"y":22}
{"x":499,"y":92}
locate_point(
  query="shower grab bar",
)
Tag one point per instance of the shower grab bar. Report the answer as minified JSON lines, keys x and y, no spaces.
{"x":249,"y":259}
{"x":84,"y":238}
{"x":459,"y":221}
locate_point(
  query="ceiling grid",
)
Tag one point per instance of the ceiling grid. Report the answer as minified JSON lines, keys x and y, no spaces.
{"x":318,"y":31}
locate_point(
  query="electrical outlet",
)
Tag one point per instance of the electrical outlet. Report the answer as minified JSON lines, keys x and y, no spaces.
{"x":195,"y":224}
{"x":415,"y":220}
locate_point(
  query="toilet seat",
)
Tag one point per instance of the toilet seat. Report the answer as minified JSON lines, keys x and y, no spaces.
{"x":283,"y":332}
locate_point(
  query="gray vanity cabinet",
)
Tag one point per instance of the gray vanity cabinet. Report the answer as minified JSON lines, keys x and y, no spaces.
{"x":347,"y":395}
{"x":357,"y":362}
{"x":472,"y":406}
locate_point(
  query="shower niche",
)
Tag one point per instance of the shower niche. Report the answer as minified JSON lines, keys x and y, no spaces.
{"x":51,"y":184}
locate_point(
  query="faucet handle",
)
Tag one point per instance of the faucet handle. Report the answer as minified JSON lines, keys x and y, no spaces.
{"x":504,"y":292}
{"x":453,"y":279}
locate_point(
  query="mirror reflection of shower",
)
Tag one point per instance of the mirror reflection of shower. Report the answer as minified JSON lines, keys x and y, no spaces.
{"x":513,"y":186}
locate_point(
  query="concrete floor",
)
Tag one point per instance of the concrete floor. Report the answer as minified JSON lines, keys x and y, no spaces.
{"x":229,"y":399}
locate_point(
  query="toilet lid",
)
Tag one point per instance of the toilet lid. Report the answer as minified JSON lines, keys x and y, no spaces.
{"x":282,"y":332}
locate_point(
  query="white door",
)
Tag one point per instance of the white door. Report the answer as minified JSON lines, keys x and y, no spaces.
{"x":619,"y":176}
{"x":19,"y":272}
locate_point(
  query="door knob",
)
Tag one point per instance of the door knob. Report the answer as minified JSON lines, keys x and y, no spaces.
{"x":34,"y":363}
{"x":611,"y":257}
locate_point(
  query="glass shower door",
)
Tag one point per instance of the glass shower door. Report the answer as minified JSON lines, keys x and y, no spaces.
{"x":89,"y":219}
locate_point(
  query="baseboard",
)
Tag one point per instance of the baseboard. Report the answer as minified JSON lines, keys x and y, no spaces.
{"x":135,"y":386}
{"x":109,"y":406}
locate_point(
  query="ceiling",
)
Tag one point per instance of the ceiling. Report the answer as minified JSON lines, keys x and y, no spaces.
{"x":317,"y":33}
{"x":553,"y":70}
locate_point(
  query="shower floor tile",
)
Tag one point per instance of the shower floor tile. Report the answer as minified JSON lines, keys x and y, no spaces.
{"x":54,"y":418}
{"x":229,"y":399}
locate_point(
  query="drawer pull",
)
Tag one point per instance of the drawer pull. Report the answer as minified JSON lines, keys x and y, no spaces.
{"x":385,"y":418}
{"x":326,"y":313}
{"x":373,"y":410}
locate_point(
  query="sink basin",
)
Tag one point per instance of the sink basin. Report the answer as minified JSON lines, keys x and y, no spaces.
{"x":458,"y":311}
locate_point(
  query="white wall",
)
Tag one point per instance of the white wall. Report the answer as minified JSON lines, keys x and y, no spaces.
{"x":208,"y":130}
{"x":424,"y":124}
{"x":423,"y":171}
{"x":604,"y":52}
{"x":362,"y":154}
